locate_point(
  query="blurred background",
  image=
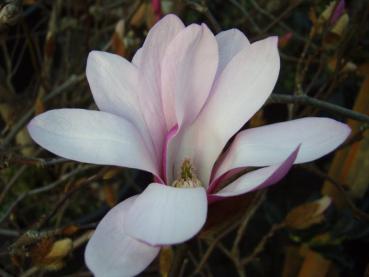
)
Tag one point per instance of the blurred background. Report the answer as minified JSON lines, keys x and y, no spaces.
{"x":314,"y":223}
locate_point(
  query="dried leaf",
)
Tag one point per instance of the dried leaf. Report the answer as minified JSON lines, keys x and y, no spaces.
{"x":111,"y":173}
{"x":338,"y":21}
{"x":117,"y":39}
{"x":39,"y":251}
{"x":257,"y":120}
{"x":165,"y":260}
{"x":348,"y":67}
{"x":110,"y":195}
{"x":58,"y":251}
{"x":70,"y":230}
{"x":138,"y":18}
{"x":351,"y":165}
{"x":39,"y":106}
{"x":307,"y":214}
{"x":341,"y":25}
{"x":292,"y":262}
{"x":315,"y":265}
{"x":144,"y":15}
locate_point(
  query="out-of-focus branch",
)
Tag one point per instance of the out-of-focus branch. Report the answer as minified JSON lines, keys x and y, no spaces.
{"x":319,"y":104}
{"x":203,"y":9}
{"x":260,"y":247}
{"x":46,"y":188}
{"x":72,"y":81}
{"x":10,"y":12}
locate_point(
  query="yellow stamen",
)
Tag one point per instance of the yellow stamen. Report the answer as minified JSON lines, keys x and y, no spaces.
{"x":187,"y":178}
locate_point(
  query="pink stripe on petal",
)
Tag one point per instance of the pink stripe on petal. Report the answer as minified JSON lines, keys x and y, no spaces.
{"x":217,"y":181}
{"x":257,"y":179}
{"x":270,"y":144}
{"x":165,"y":166}
{"x":239,"y":91}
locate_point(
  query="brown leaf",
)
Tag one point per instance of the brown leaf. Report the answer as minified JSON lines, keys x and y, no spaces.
{"x":292,"y":262}
{"x":58,"y":251}
{"x":144,"y":15}
{"x":257,"y":120}
{"x":307,"y":214}
{"x":70,"y":230}
{"x":39,"y":106}
{"x":111,"y":173}
{"x":165,"y":261}
{"x":350,"y":165}
{"x":348,"y":67}
{"x":110,"y":195}
{"x":138,"y":18}
{"x":117,"y":39}
{"x":315,"y":265}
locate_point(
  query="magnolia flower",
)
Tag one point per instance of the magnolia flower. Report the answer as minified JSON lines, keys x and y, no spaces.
{"x":171,"y":112}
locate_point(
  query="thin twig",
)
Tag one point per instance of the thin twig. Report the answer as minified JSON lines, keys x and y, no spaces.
{"x":260,"y":247}
{"x":72,"y":81}
{"x":51,"y":186}
{"x":255,"y":204}
{"x":76,"y":244}
{"x":9,"y":233}
{"x":306,"y":100}
{"x":212,"y":245}
{"x":359,"y":214}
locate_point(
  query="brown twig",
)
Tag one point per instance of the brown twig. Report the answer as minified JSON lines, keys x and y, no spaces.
{"x":306,"y":100}
{"x":254,"y":206}
{"x":46,"y":188}
{"x":260,"y":247}
{"x":72,"y":81}
{"x":359,"y":214}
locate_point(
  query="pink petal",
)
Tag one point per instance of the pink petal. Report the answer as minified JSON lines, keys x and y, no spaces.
{"x":148,"y":62}
{"x":188,"y":70}
{"x":259,"y":178}
{"x":114,"y":85}
{"x":270,"y":144}
{"x":111,"y":252}
{"x":92,"y":137}
{"x":136,"y":60}
{"x":113,"y":81}
{"x":230,"y":43}
{"x":241,"y":89}
{"x":164,"y":215}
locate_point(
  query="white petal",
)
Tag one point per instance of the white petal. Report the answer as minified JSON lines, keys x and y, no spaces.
{"x":164,"y":215}
{"x":241,"y":89}
{"x":111,"y":252}
{"x":270,"y":144}
{"x":188,"y":71}
{"x":148,"y":62}
{"x":259,"y":178}
{"x":92,"y":137}
{"x":114,"y":84}
{"x":136,"y":60}
{"x":230,"y":43}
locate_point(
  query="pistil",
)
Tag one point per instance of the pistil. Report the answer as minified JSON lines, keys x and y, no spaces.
{"x":187,"y":177}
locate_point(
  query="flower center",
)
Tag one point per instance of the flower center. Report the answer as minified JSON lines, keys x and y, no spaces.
{"x":187,"y":178}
